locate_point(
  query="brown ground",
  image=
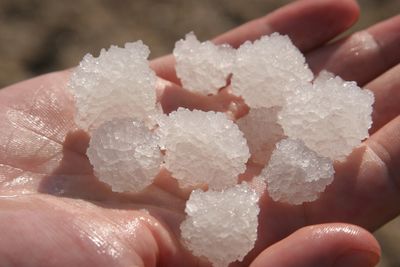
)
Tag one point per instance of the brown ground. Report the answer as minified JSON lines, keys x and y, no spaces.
{"x":38,"y":36}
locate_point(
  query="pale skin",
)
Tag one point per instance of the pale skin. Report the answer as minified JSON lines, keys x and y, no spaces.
{"x":54,"y":211}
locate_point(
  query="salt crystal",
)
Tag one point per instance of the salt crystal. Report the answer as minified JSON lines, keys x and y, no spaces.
{"x":125,"y":154}
{"x":268,"y":70}
{"x":203,"y":148}
{"x":221,"y":226}
{"x":296,"y":174}
{"x":203,"y":67}
{"x":331,"y":118}
{"x":262,"y":132}
{"x":116,"y":101}
{"x":118,"y":83}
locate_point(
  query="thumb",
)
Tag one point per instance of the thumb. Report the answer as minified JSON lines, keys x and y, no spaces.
{"x":331,"y":245}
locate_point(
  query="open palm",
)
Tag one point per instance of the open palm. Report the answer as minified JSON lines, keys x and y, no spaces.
{"x":54,"y":211}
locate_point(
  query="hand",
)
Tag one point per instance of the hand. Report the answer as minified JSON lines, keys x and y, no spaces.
{"x":54,"y":212}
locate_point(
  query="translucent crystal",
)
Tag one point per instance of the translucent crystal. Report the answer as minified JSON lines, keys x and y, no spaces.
{"x":262,"y":132}
{"x":331,"y":118}
{"x":296,"y":174}
{"x":125,"y":154}
{"x":118,"y":83}
{"x":221,"y":226}
{"x":203,"y":67}
{"x":203,"y":148}
{"x":268,"y":70}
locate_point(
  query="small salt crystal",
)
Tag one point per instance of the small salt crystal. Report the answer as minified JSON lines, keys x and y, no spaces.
{"x":118,"y":83}
{"x":125,"y":155}
{"x":221,"y":226}
{"x":331,"y":118}
{"x":296,"y":174}
{"x":203,"y":147}
{"x":268,"y":70}
{"x":203,"y":67}
{"x":262,"y":132}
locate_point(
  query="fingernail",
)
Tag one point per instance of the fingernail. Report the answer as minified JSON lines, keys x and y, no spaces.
{"x":357,"y":258}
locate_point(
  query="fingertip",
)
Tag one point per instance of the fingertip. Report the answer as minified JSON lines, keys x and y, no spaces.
{"x":337,"y":234}
{"x":332,"y":244}
{"x":314,"y":23}
{"x":351,"y":10}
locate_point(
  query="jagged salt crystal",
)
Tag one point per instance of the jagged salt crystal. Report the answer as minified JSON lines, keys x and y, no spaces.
{"x":221,"y":226}
{"x":125,"y":154}
{"x":118,"y":83}
{"x":296,"y":174}
{"x":262,"y":132}
{"x":268,"y":70}
{"x":203,"y":67}
{"x":331,"y":118}
{"x":203,"y":148}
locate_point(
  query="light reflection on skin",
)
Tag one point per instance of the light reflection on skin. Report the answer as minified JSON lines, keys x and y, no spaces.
{"x":110,"y":238}
{"x":322,"y":233}
{"x":371,"y":162}
{"x":20,"y":180}
{"x":360,"y":45}
{"x":362,"y":42}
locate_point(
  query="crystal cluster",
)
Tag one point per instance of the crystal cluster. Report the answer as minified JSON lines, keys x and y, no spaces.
{"x":203,"y":67}
{"x":221,"y":225}
{"x":261,"y":137}
{"x":267,"y":71}
{"x":193,"y":157}
{"x":331,"y":116}
{"x":125,"y":154}
{"x":118,"y":83}
{"x":296,"y":127}
{"x":295,"y":173}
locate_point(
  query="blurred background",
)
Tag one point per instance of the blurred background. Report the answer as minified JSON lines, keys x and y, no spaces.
{"x":39,"y":36}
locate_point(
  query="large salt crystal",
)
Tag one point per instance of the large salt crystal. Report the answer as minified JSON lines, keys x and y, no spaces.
{"x":221,"y":226}
{"x":203,"y":148}
{"x":203,"y":67}
{"x":296,"y":174}
{"x":118,"y":83}
{"x":268,"y":70}
{"x":331,"y":118}
{"x":262,"y":132}
{"x":125,"y":154}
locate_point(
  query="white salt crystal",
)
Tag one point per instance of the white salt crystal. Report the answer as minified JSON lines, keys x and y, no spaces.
{"x":296,"y":174}
{"x":203,"y":67}
{"x":118,"y":83}
{"x":331,"y":118}
{"x":125,"y":154}
{"x":262,"y":132}
{"x":221,"y":226}
{"x":268,"y":70}
{"x":203,"y":147}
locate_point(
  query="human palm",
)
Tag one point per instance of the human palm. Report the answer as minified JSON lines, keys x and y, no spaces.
{"x":54,"y":211}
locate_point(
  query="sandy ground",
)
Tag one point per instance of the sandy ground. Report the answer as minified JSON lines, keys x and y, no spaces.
{"x":38,"y":36}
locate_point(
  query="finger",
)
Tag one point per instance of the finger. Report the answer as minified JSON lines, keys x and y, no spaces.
{"x":34,"y":233}
{"x":323,"y":245}
{"x":308,"y":23}
{"x":386,"y":89}
{"x":366,"y":190}
{"x":386,"y":145}
{"x":362,"y":56}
